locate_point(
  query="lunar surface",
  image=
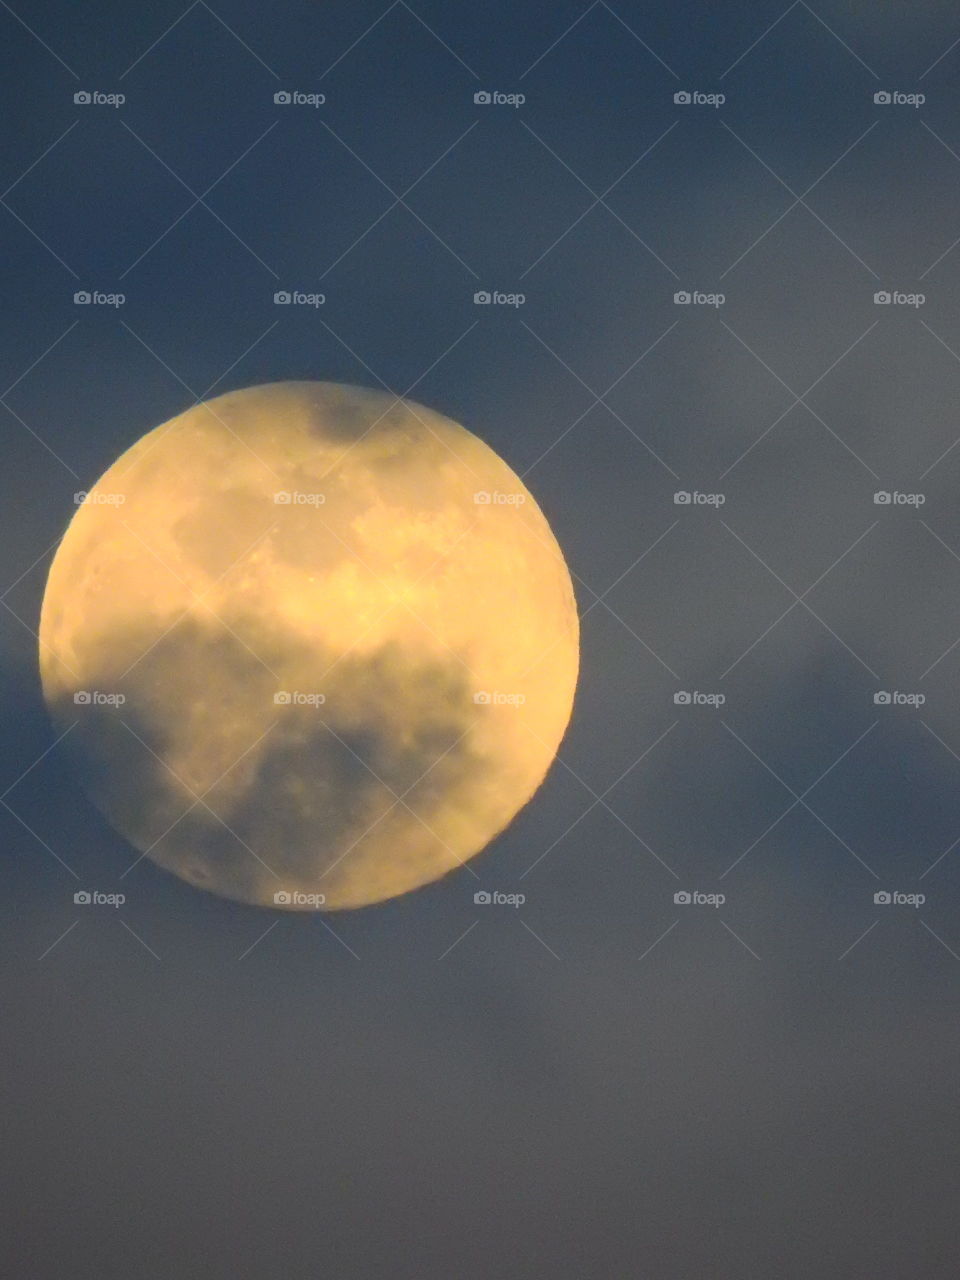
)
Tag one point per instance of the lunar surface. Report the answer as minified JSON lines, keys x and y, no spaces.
{"x":317,"y":645}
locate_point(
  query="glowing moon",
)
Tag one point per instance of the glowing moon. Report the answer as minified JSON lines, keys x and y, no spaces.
{"x":313,"y":641}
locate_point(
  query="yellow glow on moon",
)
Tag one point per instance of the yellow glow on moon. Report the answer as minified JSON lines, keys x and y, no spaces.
{"x":314,"y":641}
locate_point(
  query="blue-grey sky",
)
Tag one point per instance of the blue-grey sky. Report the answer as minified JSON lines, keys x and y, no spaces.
{"x":603,"y":1082}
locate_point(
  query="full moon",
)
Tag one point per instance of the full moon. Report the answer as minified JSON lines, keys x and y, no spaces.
{"x":310,"y":645}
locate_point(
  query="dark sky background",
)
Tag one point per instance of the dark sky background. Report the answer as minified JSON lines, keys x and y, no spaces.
{"x":601,"y":1083}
